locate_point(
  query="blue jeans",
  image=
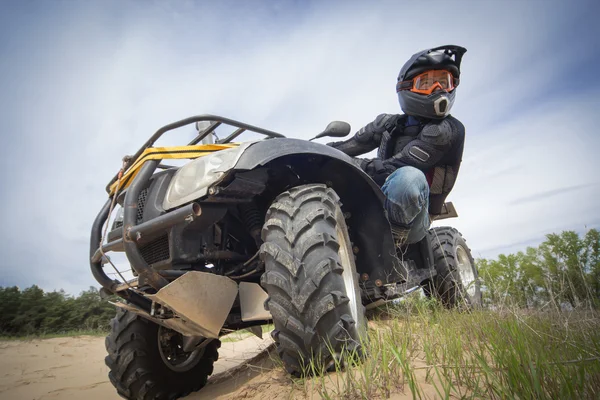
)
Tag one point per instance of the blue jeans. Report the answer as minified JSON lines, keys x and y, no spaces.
{"x":407,"y":201}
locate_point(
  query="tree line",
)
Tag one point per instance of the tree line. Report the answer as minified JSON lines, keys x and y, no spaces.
{"x":34,"y":312}
{"x":563,"y":271}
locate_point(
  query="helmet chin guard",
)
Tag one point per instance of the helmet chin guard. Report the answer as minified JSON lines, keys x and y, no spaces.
{"x":434,"y":106}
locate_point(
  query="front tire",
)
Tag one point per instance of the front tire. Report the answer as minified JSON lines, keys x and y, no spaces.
{"x":457,"y":281}
{"x":142,"y":367}
{"x":310,"y":276}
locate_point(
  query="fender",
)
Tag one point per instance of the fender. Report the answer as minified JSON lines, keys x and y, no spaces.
{"x":362,"y":199}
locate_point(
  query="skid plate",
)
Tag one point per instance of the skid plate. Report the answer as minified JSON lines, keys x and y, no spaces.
{"x":200,"y":298}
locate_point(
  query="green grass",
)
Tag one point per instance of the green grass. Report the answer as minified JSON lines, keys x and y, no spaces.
{"x":82,"y":332}
{"x":420,"y":349}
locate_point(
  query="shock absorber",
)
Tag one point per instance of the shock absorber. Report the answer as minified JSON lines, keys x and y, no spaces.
{"x":253,"y":220}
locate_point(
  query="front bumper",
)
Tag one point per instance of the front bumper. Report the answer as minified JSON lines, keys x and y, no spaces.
{"x":133,"y":237}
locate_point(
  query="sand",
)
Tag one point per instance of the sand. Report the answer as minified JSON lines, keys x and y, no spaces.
{"x":73,"y":367}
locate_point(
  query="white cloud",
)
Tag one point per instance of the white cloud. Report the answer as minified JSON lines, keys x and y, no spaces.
{"x":531,"y":176}
{"x":94,"y":83}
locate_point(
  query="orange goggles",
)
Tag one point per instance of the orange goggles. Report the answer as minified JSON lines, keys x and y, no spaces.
{"x":428,"y":81}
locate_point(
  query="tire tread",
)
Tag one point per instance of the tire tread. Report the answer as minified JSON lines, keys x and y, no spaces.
{"x":447,"y":286}
{"x":304,"y":277}
{"x":136,"y":369}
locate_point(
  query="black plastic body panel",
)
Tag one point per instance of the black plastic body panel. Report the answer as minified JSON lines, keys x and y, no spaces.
{"x":159,"y":183}
{"x":361,"y":198}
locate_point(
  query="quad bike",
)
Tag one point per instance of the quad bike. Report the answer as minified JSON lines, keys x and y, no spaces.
{"x":277,"y":230}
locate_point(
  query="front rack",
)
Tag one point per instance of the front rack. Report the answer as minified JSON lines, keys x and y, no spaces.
{"x":215,"y":120}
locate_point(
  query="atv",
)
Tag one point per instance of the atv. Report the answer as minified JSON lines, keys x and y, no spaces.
{"x":276,"y":230}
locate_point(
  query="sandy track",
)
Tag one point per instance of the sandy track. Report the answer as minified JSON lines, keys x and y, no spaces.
{"x":73,"y":368}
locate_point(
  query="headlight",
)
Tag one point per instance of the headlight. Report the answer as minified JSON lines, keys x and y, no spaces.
{"x":193,"y":179}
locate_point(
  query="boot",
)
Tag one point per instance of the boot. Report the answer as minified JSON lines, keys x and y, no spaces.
{"x":400,"y":234}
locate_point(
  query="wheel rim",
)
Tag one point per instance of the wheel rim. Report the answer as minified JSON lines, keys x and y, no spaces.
{"x":347,"y":274}
{"x":170,"y":347}
{"x":465,"y":270}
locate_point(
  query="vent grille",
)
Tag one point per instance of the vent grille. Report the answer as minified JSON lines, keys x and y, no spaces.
{"x":157,"y":250}
{"x":142,"y":198}
{"x":141,"y":204}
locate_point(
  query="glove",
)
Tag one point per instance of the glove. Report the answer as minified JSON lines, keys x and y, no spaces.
{"x":377,"y":170}
{"x":361,"y":163}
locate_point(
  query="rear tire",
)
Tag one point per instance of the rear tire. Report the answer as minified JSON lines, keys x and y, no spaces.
{"x":457,"y":281}
{"x":138,"y":366}
{"x":310,"y":276}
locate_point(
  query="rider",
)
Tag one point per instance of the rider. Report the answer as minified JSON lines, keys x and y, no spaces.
{"x":419,"y":152}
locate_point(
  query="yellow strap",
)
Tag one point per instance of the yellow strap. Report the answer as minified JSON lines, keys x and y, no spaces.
{"x":164,"y":153}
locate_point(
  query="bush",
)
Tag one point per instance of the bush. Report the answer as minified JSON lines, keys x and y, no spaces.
{"x":33,"y":312}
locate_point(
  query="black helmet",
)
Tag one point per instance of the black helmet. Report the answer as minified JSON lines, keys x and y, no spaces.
{"x":435,"y":105}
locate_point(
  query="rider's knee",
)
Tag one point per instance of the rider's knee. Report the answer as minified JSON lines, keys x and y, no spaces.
{"x":409,"y":182}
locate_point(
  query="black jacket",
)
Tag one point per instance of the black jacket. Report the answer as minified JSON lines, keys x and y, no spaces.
{"x":433,"y":146}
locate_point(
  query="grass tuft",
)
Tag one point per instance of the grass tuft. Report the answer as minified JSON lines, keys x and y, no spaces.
{"x":418,"y":348}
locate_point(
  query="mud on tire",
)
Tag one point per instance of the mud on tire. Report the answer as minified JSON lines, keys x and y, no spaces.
{"x":137,"y":369}
{"x":453,"y":285}
{"x":306,"y":251}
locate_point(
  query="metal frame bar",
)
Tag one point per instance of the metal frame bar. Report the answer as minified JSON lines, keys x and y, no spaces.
{"x":216,"y":121}
{"x":97,"y":268}
{"x":235,"y":134}
{"x":204,"y":133}
{"x":130,"y":207}
{"x":115,"y":245}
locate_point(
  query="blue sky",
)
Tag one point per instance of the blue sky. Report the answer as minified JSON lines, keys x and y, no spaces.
{"x":84,"y":83}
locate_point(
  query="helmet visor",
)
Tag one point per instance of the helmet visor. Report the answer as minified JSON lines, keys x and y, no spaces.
{"x":428,"y":81}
